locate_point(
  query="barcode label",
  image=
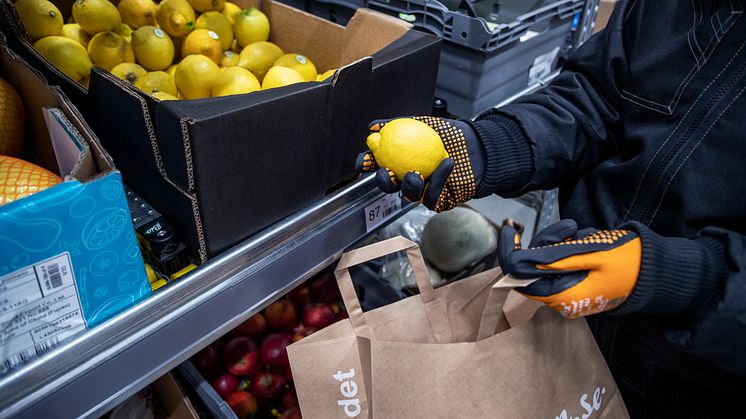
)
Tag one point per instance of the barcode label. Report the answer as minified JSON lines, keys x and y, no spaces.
{"x":27,"y":354}
{"x":54,"y":275}
{"x":38,"y":309}
{"x":381,"y":210}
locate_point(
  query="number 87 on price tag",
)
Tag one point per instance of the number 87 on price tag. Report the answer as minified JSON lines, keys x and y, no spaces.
{"x":381,"y":211}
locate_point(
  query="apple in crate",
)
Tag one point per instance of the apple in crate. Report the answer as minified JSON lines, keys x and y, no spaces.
{"x":325,"y":289}
{"x":289,"y":398}
{"x":207,"y":362}
{"x":292,"y":413}
{"x":253,"y":327}
{"x":274,"y":350}
{"x":226,"y":384}
{"x":301,"y":295}
{"x":318,"y":316}
{"x":243,"y":404}
{"x":301,"y":332}
{"x":281,"y":315}
{"x":241,"y":356}
{"x":267,"y":386}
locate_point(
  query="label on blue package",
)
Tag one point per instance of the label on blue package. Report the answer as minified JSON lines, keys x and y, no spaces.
{"x":39,"y":307}
{"x":381,"y":210}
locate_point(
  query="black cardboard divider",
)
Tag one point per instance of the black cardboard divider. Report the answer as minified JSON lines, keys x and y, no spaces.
{"x":222,"y":169}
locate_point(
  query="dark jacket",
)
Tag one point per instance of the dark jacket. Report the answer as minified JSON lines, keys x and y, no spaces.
{"x":645,"y":128}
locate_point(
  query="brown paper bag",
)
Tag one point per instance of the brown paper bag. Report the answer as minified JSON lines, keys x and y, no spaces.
{"x":472,"y":349}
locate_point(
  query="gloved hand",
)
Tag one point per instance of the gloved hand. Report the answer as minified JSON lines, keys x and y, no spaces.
{"x":454,"y":181}
{"x":580,"y":272}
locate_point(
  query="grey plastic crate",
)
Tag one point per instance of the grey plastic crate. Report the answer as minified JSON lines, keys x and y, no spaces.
{"x":210,"y":399}
{"x":484,"y":25}
{"x":473,"y":81}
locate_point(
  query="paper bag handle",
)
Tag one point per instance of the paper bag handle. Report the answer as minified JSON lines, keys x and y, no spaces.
{"x":494,"y":319}
{"x":374,"y":251}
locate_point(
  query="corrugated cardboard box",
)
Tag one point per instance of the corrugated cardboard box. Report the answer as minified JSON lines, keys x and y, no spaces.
{"x":222,"y":169}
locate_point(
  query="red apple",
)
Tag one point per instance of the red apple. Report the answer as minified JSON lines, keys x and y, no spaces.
{"x":281,"y":315}
{"x":289,"y":398}
{"x":243,"y":404}
{"x":325,"y":289}
{"x":301,"y":295}
{"x":292,"y":413}
{"x":274,"y":352}
{"x":318,"y":316}
{"x":288,"y":374}
{"x":226,"y":384}
{"x":301,"y":332}
{"x":253,"y":327}
{"x":266,"y":386}
{"x":241,"y":356}
{"x":207,"y":362}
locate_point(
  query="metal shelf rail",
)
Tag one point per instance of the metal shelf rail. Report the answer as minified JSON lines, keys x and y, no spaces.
{"x":93,"y":372}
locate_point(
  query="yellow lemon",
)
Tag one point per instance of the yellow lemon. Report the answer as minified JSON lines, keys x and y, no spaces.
{"x":216,"y":22}
{"x":67,"y":55}
{"x":163,"y":96}
{"x":76,"y":33}
{"x":129,"y":72}
{"x":12,"y":120}
{"x":258,"y":57}
{"x":250,"y":25}
{"x":300,"y":64}
{"x":157,"y":81}
{"x":154,"y":49}
{"x":204,"y":42}
{"x":137,"y":13}
{"x":406,"y":145}
{"x":230,"y":59}
{"x":107,"y":49}
{"x":171,"y":70}
{"x":325,"y":75}
{"x":19,"y":179}
{"x":40,"y":18}
{"x":96,"y":16}
{"x":235,"y":81}
{"x":195,"y":76}
{"x":203,"y":6}
{"x":176,"y":17}
{"x":279,"y":76}
{"x":230,"y":11}
{"x":125,"y":31}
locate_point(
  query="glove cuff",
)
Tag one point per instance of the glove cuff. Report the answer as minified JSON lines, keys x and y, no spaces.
{"x":677,"y":275}
{"x":508,"y":156}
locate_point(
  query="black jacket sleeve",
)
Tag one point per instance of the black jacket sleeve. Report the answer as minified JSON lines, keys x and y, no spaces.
{"x":703,"y":281}
{"x":562,"y":131}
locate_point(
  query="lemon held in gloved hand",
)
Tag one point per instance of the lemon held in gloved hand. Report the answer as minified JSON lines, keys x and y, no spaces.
{"x":436,"y":161}
{"x":407,"y":145}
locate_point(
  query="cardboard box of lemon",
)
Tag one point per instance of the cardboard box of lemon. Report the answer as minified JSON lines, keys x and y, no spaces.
{"x":69,"y":259}
{"x":255,"y":137}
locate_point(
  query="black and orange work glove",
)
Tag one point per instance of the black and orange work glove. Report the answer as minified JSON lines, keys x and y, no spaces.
{"x":454,"y":181}
{"x":579,"y":272}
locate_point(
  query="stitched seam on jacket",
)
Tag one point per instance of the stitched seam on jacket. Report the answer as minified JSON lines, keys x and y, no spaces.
{"x":720,"y":116}
{"x":681,"y":121}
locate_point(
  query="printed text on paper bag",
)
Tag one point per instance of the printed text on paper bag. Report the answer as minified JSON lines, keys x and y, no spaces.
{"x":590,"y":406}
{"x":348,"y":389}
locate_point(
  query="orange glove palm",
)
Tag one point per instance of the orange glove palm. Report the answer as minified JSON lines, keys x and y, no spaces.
{"x":580,"y":273}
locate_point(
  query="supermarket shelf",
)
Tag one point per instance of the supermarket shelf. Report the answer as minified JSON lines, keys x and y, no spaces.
{"x":90,"y":374}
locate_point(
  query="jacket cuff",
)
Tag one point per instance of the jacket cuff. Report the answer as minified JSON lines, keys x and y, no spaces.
{"x":508,"y":157}
{"x":677,"y":275}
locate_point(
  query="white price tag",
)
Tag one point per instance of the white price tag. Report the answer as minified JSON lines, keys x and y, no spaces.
{"x":378,"y":212}
{"x":39,"y":307}
{"x":542,"y":67}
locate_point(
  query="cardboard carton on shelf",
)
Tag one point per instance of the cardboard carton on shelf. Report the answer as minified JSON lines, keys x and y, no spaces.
{"x":222,"y":169}
{"x":69,"y":259}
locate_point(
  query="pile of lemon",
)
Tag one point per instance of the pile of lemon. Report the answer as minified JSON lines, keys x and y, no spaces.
{"x":176,"y":49}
